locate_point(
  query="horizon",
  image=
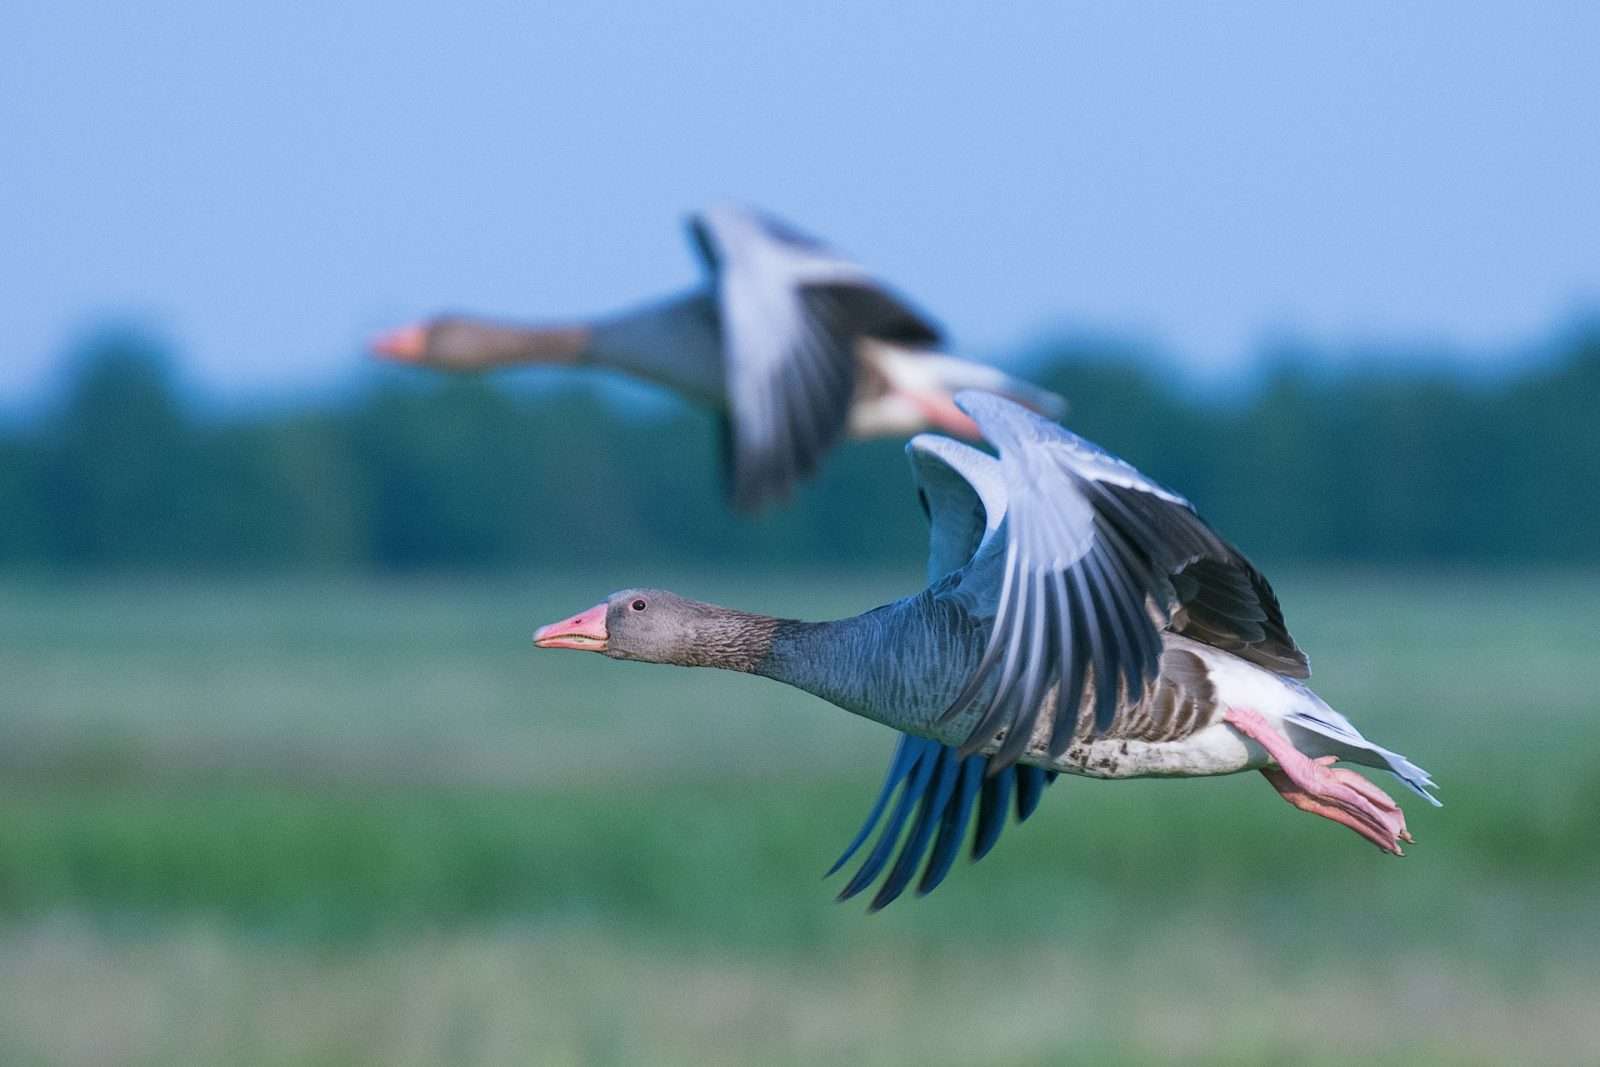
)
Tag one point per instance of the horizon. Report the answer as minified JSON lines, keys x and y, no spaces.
{"x":1049,"y":351}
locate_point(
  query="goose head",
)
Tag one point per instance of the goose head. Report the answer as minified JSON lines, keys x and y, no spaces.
{"x":657,"y":626}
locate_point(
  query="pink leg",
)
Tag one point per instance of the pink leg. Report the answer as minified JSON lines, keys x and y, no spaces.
{"x":942,"y":414}
{"x":1315,"y":785}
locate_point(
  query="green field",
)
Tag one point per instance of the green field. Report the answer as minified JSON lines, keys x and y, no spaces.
{"x":339,"y":822}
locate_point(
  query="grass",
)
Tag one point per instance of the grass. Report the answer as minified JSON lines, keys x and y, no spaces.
{"x":344,"y":822}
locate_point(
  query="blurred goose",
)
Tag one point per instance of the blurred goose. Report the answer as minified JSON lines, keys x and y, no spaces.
{"x":792,"y":342}
{"x":1079,"y":619}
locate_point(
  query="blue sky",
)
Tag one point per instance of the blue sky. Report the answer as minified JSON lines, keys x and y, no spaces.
{"x":266,"y":186}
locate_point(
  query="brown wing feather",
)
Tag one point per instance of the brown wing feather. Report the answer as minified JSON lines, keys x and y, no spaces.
{"x":1218,"y":596}
{"x":1226,"y":603}
{"x":1182,"y":702}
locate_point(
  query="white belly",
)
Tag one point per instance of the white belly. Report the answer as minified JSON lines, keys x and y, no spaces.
{"x":1216,"y":749}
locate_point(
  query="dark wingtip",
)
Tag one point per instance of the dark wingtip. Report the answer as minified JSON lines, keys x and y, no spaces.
{"x":905,"y":754}
{"x":944,"y":788}
{"x":1030,"y":790}
{"x":993,"y":801}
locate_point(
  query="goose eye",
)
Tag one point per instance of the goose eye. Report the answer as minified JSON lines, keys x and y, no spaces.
{"x":638,"y":605}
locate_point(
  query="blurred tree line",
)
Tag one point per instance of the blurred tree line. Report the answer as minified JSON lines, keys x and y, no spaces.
{"x":425,"y":473}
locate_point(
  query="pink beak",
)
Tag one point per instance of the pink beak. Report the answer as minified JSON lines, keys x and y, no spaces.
{"x":405,"y":345}
{"x":585,"y":631}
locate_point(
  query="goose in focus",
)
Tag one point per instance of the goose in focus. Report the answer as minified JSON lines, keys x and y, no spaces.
{"x":794,"y":344}
{"x":1079,"y":619}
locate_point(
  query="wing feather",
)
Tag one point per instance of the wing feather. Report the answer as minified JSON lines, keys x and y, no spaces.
{"x":1080,"y":561}
{"x":945,"y":790}
{"x":1092,"y":560}
{"x":792,"y":311}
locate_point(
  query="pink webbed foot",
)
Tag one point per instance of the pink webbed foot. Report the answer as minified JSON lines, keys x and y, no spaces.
{"x":1316,"y":786}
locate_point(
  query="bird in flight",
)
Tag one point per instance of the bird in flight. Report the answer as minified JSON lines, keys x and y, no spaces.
{"x":793,"y":344}
{"x":1079,"y":618}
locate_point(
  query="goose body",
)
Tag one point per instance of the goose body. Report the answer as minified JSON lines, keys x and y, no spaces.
{"x":1079,"y":619}
{"x":792,"y":343}
{"x":904,"y":665}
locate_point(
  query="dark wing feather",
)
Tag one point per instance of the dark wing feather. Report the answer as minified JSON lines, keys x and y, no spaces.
{"x":1228,"y":604}
{"x":944,"y":789}
{"x":1215,"y":594}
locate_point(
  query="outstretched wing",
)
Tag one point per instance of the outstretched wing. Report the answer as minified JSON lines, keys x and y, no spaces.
{"x":792,"y":311}
{"x":1092,"y":561}
{"x":944,"y":789}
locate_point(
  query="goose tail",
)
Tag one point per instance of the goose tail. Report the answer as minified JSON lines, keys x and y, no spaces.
{"x":1323,"y":731}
